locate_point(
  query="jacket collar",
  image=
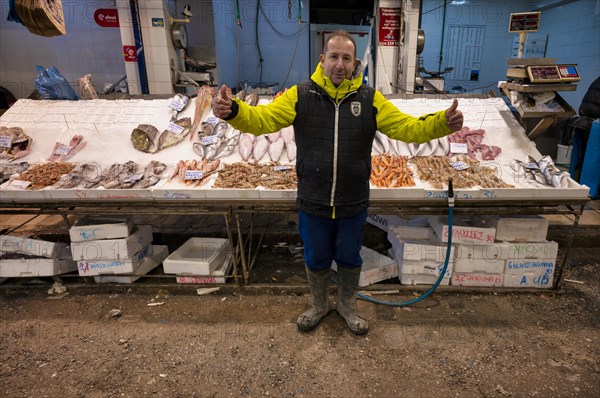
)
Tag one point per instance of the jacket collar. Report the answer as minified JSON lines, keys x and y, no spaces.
{"x":339,"y":92}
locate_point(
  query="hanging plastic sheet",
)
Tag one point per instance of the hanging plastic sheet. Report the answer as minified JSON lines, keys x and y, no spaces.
{"x":51,"y":84}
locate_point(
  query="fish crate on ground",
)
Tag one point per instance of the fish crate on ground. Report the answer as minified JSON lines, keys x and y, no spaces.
{"x":219,"y":275}
{"x":197,"y":256}
{"x":24,"y":257}
{"x":376,"y":267}
{"x":159,"y":253}
{"x":93,"y":228}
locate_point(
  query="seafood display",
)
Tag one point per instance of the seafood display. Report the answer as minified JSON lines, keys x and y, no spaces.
{"x":194,"y":172}
{"x":464,"y":171}
{"x":14,"y":143}
{"x":203,"y":100}
{"x":542,"y":171}
{"x":391,"y":171}
{"x":252,"y":175}
{"x":216,"y":139}
{"x":146,"y":138}
{"x":473,"y":139}
{"x":46,"y":174}
{"x":8,"y":169}
{"x":117,"y":176}
{"x":62,"y":152}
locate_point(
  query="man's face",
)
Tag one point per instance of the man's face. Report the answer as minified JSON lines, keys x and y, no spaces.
{"x":339,"y":60}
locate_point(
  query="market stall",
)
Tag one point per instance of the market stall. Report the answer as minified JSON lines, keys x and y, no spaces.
{"x":188,"y":162}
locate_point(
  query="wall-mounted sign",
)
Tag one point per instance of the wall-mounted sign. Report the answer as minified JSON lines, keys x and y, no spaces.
{"x":158,"y":22}
{"x":130,"y":53}
{"x":389,"y":26}
{"x":107,"y":17}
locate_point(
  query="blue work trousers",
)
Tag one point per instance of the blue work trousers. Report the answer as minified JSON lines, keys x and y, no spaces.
{"x":327,"y":239}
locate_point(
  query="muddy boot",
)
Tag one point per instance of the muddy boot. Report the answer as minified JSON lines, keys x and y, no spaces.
{"x":318,"y":282}
{"x":347,"y":286}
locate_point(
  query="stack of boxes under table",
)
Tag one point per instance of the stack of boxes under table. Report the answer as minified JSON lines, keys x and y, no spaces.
{"x":200,"y":260}
{"x":114,"y":250}
{"x":25,"y":257}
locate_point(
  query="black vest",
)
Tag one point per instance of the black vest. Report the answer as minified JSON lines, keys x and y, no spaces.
{"x":334,"y":171}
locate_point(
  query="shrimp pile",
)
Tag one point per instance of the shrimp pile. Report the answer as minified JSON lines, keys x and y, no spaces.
{"x":391,"y":171}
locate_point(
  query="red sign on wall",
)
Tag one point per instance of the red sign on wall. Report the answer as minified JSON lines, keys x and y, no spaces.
{"x":389,"y":26}
{"x":130,"y":53}
{"x":107,"y":17}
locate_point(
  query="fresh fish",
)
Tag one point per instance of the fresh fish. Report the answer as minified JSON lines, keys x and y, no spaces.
{"x":8,"y":169}
{"x":206,"y":129}
{"x":232,"y":133}
{"x":224,"y":151}
{"x":252,"y":98}
{"x":383,"y":141}
{"x":288,"y":134}
{"x":220,"y":129}
{"x":553,"y":175}
{"x":178,"y":104}
{"x":152,"y":173}
{"x":272,"y":137}
{"x":169,"y":138}
{"x":261,"y":145}
{"x":245,"y":146}
{"x":19,"y":143}
{"x":145,"y":137}
{"x":203,"y":100}
{"x":199,"y":149}
{"x":241,"y":95}
{"x":276,"y":149}
{"x":290,"y":150}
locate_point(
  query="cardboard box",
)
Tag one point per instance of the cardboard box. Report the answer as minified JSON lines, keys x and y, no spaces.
{"x":34,"y":247}
{"x":114,"y":249}
{"x":27,"y":267}
{"x":465,"y":229}
{"x":376,"y":267}
{"x":217,"y":276}
{"x":476,"y":279}
{"x":104,"y":267}
{"x":159,"y":253}
{"x":197,"y":256}
{"x":519,"y":228}
{"x":94,"y":228}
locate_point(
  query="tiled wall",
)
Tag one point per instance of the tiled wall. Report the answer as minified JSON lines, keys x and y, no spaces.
{"x":86,"y":49}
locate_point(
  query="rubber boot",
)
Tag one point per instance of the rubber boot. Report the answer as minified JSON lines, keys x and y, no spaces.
{"x":318,"y":282}
{"x":347,"y":285}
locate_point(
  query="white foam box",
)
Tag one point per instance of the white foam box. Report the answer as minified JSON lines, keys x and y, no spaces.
{"x":527,"y":251}
{"x":197,"y":256}
{"x":519,"y":228}
{"x":422,"y":279}
{"x":34,"y":247}
{"x":476,"y":279}
{"x":383,"y":222}
{"x":480,"y":259}
{"x":538,"y":266}
{"x":109,"y":267}
{"x":465,"y":229}
{"x":419,"y":249}
{"x":402,"y":232}
{"x":536,"y":277}
{"x":159,"y":253}
{"x":115,"y":249}
{"x":376,"y":267}
{"x":27,"y":267}
{"x":217,"y":276}
{"x":418,"y":267}
{"x":94,"y":228}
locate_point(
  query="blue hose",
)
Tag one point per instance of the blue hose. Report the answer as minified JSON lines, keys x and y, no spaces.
{"x":442,"y":273}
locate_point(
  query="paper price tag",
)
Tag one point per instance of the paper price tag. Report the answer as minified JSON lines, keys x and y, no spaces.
{"x":4,"y":141}
{"x":458,"y":147}
{"x":531,"y":166}
{"x":212,"y":120}
{"x":134,"y":178}
{"x":459,"y":165}
{"x":175,"y":128}
{"x":211,"y":139}
{"x":177,"y":105}
{"x":18,"y":185}
{"x":62,"y":150}
{"x":193,"y":175}
{"x":281,"y":168}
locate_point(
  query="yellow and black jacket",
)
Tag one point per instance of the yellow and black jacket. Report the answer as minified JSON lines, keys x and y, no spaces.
{"x":334,"y":129}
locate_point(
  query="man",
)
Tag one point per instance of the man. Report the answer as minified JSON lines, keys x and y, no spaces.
{"x":335,"y":118}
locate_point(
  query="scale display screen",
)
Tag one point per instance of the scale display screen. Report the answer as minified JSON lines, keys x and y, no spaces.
{"x":524,"y":22}
{"x":553,"y":73}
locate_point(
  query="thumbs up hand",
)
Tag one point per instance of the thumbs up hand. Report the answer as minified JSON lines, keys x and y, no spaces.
{"x":454,"y":116}
{"x":221,"y":104}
